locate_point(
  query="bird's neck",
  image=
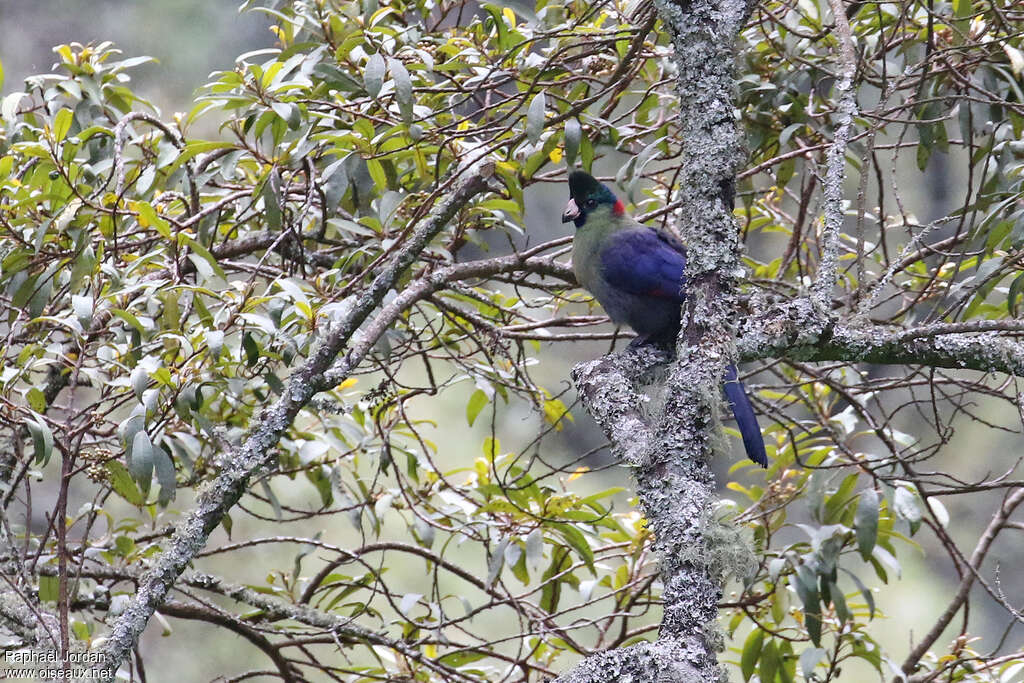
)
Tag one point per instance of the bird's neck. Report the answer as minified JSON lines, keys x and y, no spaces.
{"x":603,"y":221}
{"x":590,"y":239}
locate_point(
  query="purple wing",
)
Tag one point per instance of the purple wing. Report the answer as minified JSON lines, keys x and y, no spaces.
{"x":645,"y":262}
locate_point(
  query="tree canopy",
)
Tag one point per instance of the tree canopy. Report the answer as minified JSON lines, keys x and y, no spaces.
{"x":306,"y":380}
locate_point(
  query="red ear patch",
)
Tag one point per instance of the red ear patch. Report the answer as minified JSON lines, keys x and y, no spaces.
{"x":619,"y":208}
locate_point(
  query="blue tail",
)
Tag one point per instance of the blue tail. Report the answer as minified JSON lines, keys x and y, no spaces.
{"x":745,"y":418}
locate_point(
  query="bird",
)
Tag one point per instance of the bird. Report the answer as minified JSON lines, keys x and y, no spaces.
{"x":637,"y":275}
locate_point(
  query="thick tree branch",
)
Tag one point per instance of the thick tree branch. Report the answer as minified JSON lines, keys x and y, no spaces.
{"x":607,"y":388}
{"x":799,"y":331}
{"x":669,"y":443}
{"x":33,"y":625}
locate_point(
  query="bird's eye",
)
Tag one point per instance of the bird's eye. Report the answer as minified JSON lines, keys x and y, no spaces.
{"x":590,"y":203}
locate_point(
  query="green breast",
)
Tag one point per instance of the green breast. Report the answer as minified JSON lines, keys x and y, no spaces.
{"x":586,"y":249}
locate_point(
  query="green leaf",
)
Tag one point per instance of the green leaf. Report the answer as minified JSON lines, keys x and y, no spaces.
{"x":495,"y":562}
{"x":81,"y":630}
{"x":535,"y":117}
{"x":924,"y":146}
{"x":214,"y":343}
{"x":751,"y":653}
{"x":573,"y":133}
{"x":49,"y":588}
{"x":373,"y":76}
{"x":252,"y":350}
{"x":140,"y":463}
{"x":164,"y":476}
{"x":123,"y":484}
{"x":272,"y":498}
{"x":883,"y":556}
{"x":574,"y":537}
{"x":476,"y":403}
{"x":461,"y":658}
{"x":321,"y":480}
{"x":555,"y":411}
{"x":552,"y":591}
{"x":491,"y":447}
{"x":139,"y":380}
{"x":535,"y":549}
{"x":865,"y":522}
{"x":272,"y":200}
{"x":83,"y":308}
{"x":42,"y":440}
{"x":130,"y":319}
{"x":62,"y":124}
{"x":805,"y":582}
{"x":403,"y":88}
{"x":1015,"y":293}
{"x":193,"y":149}
{"x":867,"y":649}
{"x":769,"y":662}
{"x":409,"y":601}
{"x":839,"y":602}
{"x":36,"y":399}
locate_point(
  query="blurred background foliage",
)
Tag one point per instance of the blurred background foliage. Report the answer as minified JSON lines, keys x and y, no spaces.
{"x":161,"y":274}
{"x":188,"y":39}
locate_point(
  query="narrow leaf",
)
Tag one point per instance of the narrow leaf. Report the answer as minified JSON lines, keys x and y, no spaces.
{"x":751,"y":653}
{"x":535,"y":549}
{"x":535,"y":117}
{"x":373,"y":76}
{"x":140,"y":463}
{"x":905,"y":504}
{"x":164,"y":476}
{"x":865,"y":522}
{"x":272,"y":200}
{"x":864,"y":591}
{"x":49,"y":588}
{"x":573,"y":133}
{"x":42,"y":441}
{"x":403,"y":88}
{"x":495,"y":562}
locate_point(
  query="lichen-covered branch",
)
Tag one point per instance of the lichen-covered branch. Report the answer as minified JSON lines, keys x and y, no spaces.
{"x":669,"y":444}
{"x":607,"y":389}
{"x":33,"y":625}
{"x":800,"y":331}
{"x":835,"y":170}
{"x":676,"y":489}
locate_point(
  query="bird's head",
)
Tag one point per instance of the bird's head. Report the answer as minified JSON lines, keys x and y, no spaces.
{"x":586,"y":196}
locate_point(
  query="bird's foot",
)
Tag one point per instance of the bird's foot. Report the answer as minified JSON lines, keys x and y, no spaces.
{"x":638,"y":341}
{"x":646,"y":341}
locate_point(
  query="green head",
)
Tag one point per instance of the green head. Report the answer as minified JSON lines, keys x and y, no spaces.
{"x":585,"y":196}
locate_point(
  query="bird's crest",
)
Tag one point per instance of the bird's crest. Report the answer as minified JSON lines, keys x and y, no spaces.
{"x":585,"y":193}
{"x":584,"y":186}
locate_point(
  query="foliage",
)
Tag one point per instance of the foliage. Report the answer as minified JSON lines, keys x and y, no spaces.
{"x":160,"y":289}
